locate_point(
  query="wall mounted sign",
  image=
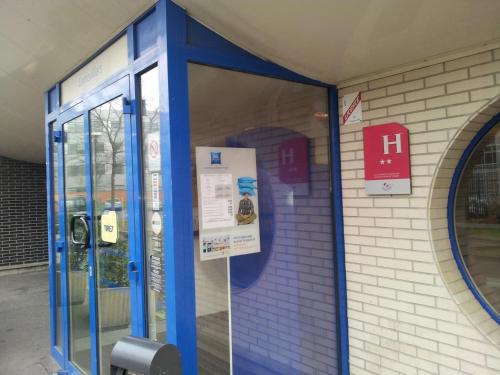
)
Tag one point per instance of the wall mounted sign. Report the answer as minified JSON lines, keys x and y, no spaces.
{"x":351,"y":108}
{"x":109,"y":227}
{"x":228,"y":202}
{"x":294,"y":164}
{"x":111,"y":60}
{"x":387,"y":159}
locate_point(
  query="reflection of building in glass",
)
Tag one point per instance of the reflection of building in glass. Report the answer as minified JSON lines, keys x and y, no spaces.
{"x":104,"y":164}
{"x":477,"y":221}
{"x":482,"y":184}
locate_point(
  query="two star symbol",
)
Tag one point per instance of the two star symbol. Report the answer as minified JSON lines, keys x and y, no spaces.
{"x":387,"y":161}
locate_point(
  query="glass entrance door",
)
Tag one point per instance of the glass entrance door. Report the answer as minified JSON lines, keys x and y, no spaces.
{"x":109,"y":201}
{"x":100,"y":269}
{"x":78,"y":235}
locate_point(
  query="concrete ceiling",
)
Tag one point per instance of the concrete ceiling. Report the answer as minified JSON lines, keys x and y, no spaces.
{"x":335,"y":40}
{"x":329,"y":40}
{"x":40,"y":42}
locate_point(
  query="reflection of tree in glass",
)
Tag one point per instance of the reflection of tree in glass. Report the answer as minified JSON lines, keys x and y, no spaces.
{"x":74,"y":158}
{"x":79,"y":257}
{"x":74,"y":177}
{"x":107,"y":124}
{"x":107,"y":128}
{"x":113,"y":271}
{"x":150,"y":119}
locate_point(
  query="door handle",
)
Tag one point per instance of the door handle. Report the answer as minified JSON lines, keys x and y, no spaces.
{"x":85,"y":242}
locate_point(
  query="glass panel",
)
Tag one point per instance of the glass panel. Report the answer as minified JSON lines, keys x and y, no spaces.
{"x":110,"y":209}
{"x":78,"y":267}
{"x":152,"y":195}
{"x":477,"y":217}
{"x":57,"y":237}
{"x":273,"y":311}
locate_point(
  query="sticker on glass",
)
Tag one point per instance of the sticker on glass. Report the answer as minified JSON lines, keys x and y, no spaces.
{"x":156,"y":224}
{"x":109,"y":227}
{"x":155,"y":191}
{"x":154,"y":156}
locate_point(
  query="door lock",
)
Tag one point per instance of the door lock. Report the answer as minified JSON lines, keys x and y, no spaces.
{"x":132,"y":266}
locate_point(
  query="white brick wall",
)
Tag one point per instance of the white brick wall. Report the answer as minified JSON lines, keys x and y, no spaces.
{"x":409,"y":310}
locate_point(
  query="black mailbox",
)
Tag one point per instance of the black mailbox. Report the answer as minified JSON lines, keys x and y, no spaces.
{"x":144,"y":357}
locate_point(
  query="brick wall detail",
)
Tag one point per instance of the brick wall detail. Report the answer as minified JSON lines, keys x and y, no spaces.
{"x":405,"y":315}
{"x":23,"y":214}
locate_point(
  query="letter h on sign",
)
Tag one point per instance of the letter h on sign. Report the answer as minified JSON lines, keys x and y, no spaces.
{"x":287,"y":156}
{"x":396,"y":142}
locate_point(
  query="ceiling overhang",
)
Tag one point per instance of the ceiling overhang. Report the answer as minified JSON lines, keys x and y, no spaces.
{"x":328,"y":40}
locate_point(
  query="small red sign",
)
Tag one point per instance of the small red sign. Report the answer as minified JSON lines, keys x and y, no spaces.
{"x":352,"y":107}
{"x":387,"y":159}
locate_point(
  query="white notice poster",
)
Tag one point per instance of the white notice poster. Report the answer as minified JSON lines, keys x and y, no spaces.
{"x":228,"y":207}
{"x":216,"y":200}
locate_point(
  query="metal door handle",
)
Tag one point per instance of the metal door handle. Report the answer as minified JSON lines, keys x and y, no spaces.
{"x":85,"y":243}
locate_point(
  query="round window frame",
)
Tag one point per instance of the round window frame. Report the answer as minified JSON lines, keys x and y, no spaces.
{"x":457,"y":255}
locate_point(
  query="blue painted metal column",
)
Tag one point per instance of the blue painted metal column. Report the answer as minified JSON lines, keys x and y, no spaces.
{"x":176,"y":167}
{"x":338,"y":220}
{"x":64,"y":257}
{"x":134,"y":169}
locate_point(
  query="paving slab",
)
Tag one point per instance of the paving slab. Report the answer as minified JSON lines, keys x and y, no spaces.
{"x":24,"y":324}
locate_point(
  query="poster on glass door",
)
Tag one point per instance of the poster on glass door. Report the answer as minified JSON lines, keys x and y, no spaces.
{"x":228,"y":205}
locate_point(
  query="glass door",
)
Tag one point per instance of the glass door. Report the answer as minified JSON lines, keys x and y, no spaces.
{"x":101,"y":269}
{"x":109,"y":203}
{"x":78,"y":235}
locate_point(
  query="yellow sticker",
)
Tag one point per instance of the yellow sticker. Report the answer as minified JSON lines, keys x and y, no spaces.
{"x":109,"y":227}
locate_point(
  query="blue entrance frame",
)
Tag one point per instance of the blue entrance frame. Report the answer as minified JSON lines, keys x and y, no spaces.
{"x":178,"y":40}
{"x":120,"y":88}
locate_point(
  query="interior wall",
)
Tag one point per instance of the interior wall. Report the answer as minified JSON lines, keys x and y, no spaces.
{"x":404,"y":314}
{"x":23,"y":218}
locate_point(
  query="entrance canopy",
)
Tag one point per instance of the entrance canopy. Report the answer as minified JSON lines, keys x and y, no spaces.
{"x":328,"y":40}
{"x":194,"y":198}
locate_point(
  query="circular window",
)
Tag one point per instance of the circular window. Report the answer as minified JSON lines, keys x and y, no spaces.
{"x":476,"y":214}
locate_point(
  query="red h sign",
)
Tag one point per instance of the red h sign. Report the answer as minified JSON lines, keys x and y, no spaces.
{"x":294,"y":164}
{"x":387,"y":159}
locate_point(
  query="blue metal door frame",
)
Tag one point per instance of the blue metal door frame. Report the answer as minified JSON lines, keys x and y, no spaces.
{"x":179,"y":40}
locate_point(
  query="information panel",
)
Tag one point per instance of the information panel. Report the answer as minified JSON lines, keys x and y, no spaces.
{"x":228,"y":205}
